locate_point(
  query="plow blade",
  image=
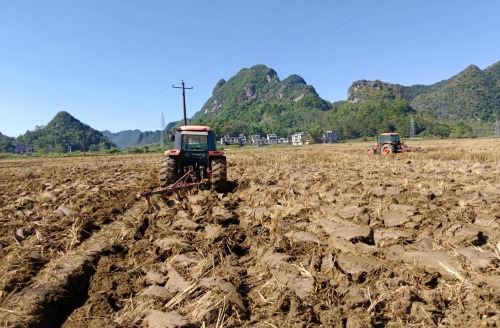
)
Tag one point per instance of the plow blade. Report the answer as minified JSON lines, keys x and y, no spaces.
{"x":181,"y":184}
{"x":406,"y":149}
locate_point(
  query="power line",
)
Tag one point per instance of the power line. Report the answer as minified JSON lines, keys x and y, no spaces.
{"x":279,"y":31}
{"x":162,"y":129}
{"x":145,"y":101}
{"x":273,"y":34}
{"x":217,"y":63}
{"x":265,"y":38}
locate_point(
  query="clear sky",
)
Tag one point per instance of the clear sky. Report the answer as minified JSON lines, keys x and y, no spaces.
{"x":112,"y":63}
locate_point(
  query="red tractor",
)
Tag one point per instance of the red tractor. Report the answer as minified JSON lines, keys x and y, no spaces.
{"x":194,"y":159}
{"x":193,"y":162}
{"x":388,"y":143}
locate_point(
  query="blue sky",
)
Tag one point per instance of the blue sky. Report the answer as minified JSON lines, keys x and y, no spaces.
{"x":103,"y":61}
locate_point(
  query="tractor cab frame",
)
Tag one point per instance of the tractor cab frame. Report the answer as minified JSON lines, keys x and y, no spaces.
{"x":194,"y":151}
{"x":388,"y":138}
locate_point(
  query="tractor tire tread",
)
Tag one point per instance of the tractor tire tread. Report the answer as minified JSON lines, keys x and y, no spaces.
{"x":391,"y":147}
{"x":168,"y":171}
{"x":370,"y":149}
{"x":219,"y":174}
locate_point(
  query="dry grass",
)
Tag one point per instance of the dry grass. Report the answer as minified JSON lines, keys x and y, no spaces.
{"x":134,"y":312}
{"x":278,"y":191}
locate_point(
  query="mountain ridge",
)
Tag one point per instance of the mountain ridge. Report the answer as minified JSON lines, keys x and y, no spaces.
{"x":471,"y":95}
{"x":138,"y":138}
{"x":61,"y":132}
{"x":256,"y":101}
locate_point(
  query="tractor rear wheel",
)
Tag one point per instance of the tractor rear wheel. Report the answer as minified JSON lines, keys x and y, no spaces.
{"x":370,"y":151}
{"x":388,"y":149}
{"x":168,"y":171}
{"x":219,"y":174}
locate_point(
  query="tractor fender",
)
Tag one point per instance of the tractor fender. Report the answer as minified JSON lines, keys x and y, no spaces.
{"x":211,"y":153}
{"x":215,"y":153}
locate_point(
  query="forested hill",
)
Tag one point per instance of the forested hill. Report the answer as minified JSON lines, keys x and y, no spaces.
{"x":375,"y":107}
{"x":62,"y":131}
{"x":256,"y":101}
{"x":137,"y":138}
{"x":123,"y":139}
{"x":134,"y":138}
{"x":6,"y":144}
{"x":471,"y":95}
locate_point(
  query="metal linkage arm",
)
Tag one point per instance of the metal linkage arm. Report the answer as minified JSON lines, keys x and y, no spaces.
{"x":180,"y":184}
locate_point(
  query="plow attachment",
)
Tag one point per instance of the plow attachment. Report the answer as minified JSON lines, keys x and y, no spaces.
{"x":405,"y":149}
{"x":187,"y":182}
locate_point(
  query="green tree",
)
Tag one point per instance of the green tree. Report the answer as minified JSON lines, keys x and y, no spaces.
{"x":60,"y":149}
{"x":6,"y":145}
{"x":315,"y":133}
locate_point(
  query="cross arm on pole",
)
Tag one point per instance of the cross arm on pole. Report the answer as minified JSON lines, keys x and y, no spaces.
{"x":183,"y":99}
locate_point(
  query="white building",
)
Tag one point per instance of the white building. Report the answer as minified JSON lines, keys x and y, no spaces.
{"x":228,"y":140}
{"x":263,"y":142}
{"x":242,"y":139}
{"x":297,"y":138}
{"x":272,"y":138}
{"x":255,"y":138}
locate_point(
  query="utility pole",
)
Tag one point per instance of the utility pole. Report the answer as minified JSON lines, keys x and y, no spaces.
{"x":183,"y":98}
{"x":412,"y":128}
{"x":162,"y":129}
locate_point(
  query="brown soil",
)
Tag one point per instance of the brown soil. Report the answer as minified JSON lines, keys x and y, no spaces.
{"x":306,"y":237}
{"x":49,"y":206}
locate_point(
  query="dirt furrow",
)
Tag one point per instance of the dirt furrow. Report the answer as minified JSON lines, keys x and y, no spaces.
{"x":317,"y":237}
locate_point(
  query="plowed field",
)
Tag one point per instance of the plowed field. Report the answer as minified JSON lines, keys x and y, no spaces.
{"x":319,"y":236}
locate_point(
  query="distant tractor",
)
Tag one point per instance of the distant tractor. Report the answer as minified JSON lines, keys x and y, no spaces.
{"x":195,"y":153}
{"x":388,"y":143}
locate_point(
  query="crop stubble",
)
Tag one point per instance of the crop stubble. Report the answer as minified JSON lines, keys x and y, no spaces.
{"x":313,"y":236}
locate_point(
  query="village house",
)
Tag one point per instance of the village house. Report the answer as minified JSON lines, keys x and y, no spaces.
{"x":255,"y":138}
{"x":228,"y":140}
{"x":297,"y":138}
{"x":272,"y":138}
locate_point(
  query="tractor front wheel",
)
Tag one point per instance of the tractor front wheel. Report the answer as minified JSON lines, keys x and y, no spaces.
{"x":219,"y":174}
{"x":370,"y":151}
{"x":168,"y":171}
{"x":388,"y":149}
